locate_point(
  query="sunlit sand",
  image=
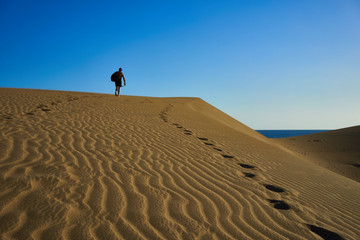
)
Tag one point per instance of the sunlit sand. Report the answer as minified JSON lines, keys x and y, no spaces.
{"x":95,"y":166}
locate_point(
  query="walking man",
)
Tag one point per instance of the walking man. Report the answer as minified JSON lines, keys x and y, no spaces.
{"x":118,"y":85}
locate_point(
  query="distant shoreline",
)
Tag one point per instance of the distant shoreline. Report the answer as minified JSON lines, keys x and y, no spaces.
{"x":287,"y":133}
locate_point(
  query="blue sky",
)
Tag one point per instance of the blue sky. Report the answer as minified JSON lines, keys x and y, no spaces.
{"x":275,"y":64}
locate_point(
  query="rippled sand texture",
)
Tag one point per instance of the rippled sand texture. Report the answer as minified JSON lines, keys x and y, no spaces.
{"x":96,"y":166}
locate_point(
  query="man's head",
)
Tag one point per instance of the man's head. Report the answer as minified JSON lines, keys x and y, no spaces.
{"x":120,"y":69}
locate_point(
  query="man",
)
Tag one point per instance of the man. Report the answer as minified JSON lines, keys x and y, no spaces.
{"x":118,"y":82}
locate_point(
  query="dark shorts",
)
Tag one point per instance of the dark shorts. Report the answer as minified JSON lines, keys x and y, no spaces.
{"x":118,"y":83}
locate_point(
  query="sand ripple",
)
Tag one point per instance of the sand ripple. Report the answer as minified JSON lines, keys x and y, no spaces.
{"x":92,"y":166}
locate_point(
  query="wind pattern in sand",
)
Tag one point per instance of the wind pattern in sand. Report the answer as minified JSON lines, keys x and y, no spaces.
{"x":92,"y":166}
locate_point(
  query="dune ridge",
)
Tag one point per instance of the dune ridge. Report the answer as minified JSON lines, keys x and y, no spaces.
{"x":94,"y":166}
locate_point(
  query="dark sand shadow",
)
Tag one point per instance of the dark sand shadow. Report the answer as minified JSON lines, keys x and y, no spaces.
{"x":325,"y":234}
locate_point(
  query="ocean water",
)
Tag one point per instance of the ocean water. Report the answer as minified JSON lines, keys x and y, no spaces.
{"x":287,"y":133}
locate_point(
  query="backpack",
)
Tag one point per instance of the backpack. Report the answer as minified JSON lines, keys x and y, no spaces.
{"x":115,"y":77}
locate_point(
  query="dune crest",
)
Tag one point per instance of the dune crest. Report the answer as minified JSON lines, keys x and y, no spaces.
{"x":94,"y":166}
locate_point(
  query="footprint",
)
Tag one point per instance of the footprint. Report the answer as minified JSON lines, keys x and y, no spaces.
{"x":210,"y":144}
{"x":46,"y":109}
{"x":30,"y":113}
{"x":177,"y":125}
{"x":8,"y":117}
{"x":218,"y":149}
{"x":246,"y":165}
{"x":356,"y":165}
{"x":226,"y":156}
{"x":203,"y":139}
{"x":325,"y":234}
{"x":279,"y":204}
{"x":42,"y":106}
{"x":274,"y":188}
{"x":249,"y":175}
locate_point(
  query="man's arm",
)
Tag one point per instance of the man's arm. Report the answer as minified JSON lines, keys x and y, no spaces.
{"x":124,"y":80}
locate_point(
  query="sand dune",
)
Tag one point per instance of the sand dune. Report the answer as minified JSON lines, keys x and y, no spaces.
{"x":338,"y":150}
{"x":94,"y":166}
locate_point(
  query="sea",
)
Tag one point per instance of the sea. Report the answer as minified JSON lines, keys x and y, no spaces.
{"x":287,"y":133}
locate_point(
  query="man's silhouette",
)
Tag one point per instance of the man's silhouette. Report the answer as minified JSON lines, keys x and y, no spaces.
{"x":118,"y":81}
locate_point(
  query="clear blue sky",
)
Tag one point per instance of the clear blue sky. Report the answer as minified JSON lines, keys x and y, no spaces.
{"x":275,"y":64}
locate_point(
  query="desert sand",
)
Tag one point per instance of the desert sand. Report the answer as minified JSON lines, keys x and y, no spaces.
{"x":95,"y":166}
{"x":337,"y":150}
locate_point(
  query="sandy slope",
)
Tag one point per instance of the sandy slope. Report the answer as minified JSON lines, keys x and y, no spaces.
{"x":337,"y":150}
{"x":93,"y":166}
